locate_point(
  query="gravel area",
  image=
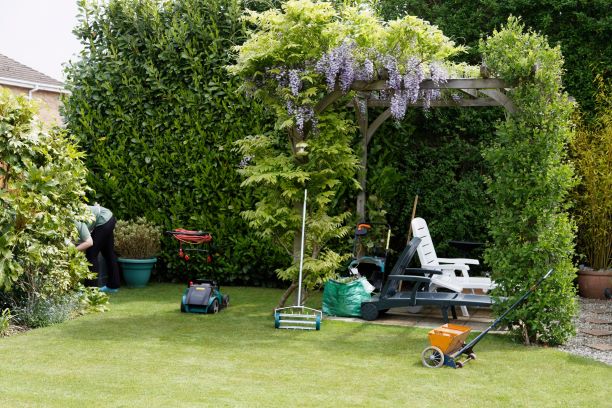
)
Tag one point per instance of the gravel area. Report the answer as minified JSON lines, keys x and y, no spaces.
{"x":593,"y":331}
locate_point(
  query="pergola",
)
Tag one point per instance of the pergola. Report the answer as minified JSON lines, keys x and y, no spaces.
{"x":475,"y":92}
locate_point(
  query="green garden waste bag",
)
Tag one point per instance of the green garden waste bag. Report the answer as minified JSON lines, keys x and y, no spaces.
{"x":344,"y":299}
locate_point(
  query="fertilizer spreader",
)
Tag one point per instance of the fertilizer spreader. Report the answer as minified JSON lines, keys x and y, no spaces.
{"x":448,"y":341}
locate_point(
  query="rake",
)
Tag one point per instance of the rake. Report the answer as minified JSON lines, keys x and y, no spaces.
{"x":299,"y":317}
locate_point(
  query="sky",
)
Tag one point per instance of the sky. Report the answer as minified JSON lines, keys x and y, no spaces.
{"x":38,"y":33}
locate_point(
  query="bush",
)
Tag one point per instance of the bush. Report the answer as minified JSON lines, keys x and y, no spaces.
{"x":36,"y":311}
{"x":137,"y":239}
{"x":41,"y":194}
{"x":529,"y":184}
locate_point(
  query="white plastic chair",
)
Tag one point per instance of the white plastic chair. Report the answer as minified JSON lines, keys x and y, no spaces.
{"x":448,"y":266}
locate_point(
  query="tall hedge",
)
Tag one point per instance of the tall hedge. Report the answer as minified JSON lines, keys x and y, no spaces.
{"x":157,"y":113}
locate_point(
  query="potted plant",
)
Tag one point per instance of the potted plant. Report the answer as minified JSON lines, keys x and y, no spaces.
{"x":593,"y":160}
{"x":137,"y":244}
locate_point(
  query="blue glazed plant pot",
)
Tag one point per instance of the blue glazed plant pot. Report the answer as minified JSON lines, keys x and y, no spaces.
{"x":136,"y":272}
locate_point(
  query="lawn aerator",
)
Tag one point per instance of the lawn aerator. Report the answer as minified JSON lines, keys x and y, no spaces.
{"x":201,"y":295}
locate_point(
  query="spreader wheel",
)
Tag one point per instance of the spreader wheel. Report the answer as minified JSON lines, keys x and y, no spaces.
{"x":225,"y":301}
{"x":432,"y":357}
{"x":183,"y":308}
{"x":369,"y":311}
{"x":214,"y":308}
{"x":472,"y":356}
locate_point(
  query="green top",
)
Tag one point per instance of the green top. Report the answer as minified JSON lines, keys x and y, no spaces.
{"x":101,"y":217}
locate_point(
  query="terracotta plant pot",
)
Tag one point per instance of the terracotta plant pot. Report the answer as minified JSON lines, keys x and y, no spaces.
{"x":592,"y":283}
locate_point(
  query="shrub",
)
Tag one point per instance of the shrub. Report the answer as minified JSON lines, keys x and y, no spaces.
{"x":37,"y":311}
{"x":139,"y":239}
{"x":5,"y":321}
{"x":41,"y":194}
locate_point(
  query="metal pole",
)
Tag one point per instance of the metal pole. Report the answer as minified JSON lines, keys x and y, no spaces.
{"x":299,"y":298}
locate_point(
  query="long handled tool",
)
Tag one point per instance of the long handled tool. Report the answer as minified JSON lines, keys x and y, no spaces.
{"x":447,"y":341}
{"x":299,"y":317}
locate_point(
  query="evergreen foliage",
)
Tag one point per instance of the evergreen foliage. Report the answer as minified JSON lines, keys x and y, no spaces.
{"x":157,"y":113}
{"x":529,"y":183}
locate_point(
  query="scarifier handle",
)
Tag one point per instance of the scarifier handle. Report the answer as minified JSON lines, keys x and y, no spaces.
{"x":500,"y":318}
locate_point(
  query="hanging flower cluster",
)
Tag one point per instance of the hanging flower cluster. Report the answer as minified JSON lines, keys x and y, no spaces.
{"x":338,"y":64}
{"x":340,"y":68}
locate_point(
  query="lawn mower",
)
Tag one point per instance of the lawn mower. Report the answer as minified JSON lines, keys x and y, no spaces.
{"x":201,"y":295}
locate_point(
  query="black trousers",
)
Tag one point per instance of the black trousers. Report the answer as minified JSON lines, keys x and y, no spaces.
{"x":104,"y":242}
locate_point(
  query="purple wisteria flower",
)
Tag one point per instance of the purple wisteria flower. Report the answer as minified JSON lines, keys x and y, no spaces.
{"x":295,"y":83}
{"x":438,"y":73}
{"x":365,"y":72}
{"x":338,"y":62}
{"x":245,"y":161}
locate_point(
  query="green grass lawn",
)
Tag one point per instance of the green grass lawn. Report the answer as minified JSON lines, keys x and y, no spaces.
{"x":145,"y":353}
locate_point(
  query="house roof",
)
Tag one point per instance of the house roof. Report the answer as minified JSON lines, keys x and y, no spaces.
{"x":16,"y":74}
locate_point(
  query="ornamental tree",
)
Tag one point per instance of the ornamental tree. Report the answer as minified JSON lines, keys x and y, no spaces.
{"x":298,"y":61}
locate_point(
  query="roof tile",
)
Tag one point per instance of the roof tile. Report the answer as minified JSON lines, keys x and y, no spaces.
{"x":12,"y":69}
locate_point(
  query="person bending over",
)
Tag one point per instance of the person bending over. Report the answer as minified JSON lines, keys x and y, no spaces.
{"x":97,"y":236}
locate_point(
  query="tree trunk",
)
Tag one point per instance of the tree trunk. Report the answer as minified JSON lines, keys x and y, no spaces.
{"x":287,"y":294}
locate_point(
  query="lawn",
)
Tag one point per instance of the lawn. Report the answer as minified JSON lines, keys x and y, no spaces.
{"x":145,"y":353}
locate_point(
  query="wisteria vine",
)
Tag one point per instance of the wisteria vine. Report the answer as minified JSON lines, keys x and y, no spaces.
{"x":340,"y":67}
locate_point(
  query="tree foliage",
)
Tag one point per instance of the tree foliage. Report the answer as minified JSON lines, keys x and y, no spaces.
{"x":529,"y":183}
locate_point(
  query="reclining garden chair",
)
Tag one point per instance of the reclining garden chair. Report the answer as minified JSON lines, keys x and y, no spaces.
{"x":449,"y":267}
{"x":420,"y":278}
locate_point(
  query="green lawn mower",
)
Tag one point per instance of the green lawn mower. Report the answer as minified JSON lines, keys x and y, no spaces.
{"x":201,"y":295}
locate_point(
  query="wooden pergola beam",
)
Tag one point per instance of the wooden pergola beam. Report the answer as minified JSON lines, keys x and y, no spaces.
{"x":461,"y":83}
{"x":441,"y":103}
